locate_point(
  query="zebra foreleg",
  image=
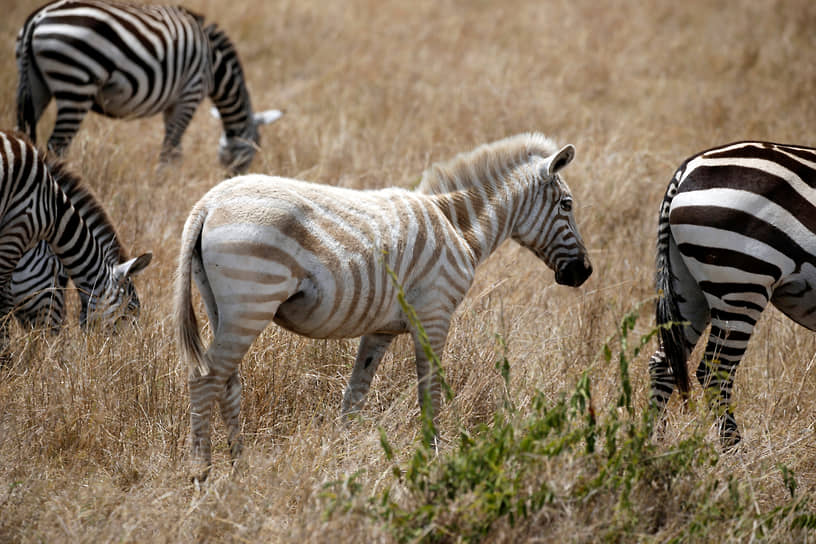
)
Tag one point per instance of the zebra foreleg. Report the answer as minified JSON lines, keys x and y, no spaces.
{"x":428,"y":387}
{"x":369,"y":354}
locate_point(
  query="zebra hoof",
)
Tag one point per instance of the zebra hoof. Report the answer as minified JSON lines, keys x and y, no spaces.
{"x":200,"y":474}
{"x":729,"y":439}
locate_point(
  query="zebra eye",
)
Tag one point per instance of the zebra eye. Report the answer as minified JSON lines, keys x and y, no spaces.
{"x":566,"y":204}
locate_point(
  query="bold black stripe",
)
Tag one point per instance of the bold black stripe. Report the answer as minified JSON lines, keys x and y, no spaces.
{"x":735,"y":336}
{"x":771,"y":187}
{"x":725,"y":257}
{"x":738,"y":221}
{"x":772,"y":153}
{"x":724,"y":315}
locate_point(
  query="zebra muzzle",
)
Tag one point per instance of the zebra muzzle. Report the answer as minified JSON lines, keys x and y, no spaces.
{"x":574,"y":272}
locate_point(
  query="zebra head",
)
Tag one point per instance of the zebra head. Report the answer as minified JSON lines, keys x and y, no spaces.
{"x":236,"y":151}
{"x":548,"y":228}
{"x":118,"y":300}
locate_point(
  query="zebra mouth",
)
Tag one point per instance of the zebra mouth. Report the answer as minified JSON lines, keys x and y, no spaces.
{"x":574,"y":273}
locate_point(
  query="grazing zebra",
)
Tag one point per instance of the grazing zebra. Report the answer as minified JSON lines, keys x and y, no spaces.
{"x":128,"y":61}
{"x":39,"y":280}
{"x":737,"y":230}
{"x":34,"y":206}
{"x":315,"y":259}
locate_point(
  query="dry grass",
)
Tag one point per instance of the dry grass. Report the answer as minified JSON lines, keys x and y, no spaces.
{"x":93,"y":429}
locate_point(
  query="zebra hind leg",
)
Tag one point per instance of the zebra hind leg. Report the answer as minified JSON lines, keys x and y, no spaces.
{"x":230,"y":404}
{"x":716,"y":374}
{"x":70,"y":113}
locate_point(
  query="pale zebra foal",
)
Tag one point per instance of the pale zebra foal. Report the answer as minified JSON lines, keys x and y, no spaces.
{"x":128,"y":61}
{"x":737,"y":230}
{"x":315,"y":259}
{"x":34,"y":206}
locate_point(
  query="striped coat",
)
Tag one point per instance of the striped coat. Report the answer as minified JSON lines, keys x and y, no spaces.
{"x":34,"y":207}
{"x":129,"y":61}
{"x":737,"y":230}
{"x":315,"y":259}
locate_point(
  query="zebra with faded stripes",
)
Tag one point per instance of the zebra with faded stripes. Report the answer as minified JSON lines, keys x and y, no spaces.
{"x":129,"y":61}
{"x":34,"y":207}
{"x":737,"y":230}
{"x":315,"y":259}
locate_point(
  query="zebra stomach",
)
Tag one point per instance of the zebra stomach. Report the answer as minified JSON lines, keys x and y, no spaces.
{"x":305,"y":313}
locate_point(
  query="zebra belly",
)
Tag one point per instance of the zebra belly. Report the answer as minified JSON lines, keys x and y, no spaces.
{"x":116,"y":99}
{"x":304,"y":314}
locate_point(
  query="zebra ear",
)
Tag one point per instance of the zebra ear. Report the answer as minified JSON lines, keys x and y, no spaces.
{"x":133,"y":266}
{"x":267,"y":117}
{"x":559,"y":160}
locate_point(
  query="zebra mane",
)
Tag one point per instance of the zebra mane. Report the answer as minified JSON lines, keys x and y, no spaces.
{"x":484,"y":163}
{"x":92,"y":211}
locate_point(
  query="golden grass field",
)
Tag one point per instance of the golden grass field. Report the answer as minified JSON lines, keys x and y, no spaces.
{"x":93,"y":429}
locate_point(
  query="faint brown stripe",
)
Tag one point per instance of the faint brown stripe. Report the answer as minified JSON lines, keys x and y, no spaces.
{"x":260,"y":251}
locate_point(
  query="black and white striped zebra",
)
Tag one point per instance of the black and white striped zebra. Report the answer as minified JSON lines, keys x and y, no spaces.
{"x":39,"y":280}
{"x":737,"y":230}
{"x":129,"y":61}
{"x":34,"y":207}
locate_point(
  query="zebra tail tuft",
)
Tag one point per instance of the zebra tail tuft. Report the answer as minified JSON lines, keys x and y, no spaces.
{"x":26,"y":121}
{"x":668,"y":316}
{"x":187,"y":335}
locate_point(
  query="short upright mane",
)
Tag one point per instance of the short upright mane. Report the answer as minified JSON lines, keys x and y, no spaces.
{"x":82,"y":198}
{"x":485,"y":162}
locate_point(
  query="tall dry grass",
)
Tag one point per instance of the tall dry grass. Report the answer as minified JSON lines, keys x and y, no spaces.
{"x":93,"y":429}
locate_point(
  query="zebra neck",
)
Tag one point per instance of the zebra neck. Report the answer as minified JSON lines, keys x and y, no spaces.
{"x":482,"y":219}
{"x":229,"y":91}
{"x":82,"y":255}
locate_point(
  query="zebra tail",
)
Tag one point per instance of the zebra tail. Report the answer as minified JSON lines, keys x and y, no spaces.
{"x":187,"y":335}
{"x":26,"y":121}
{"x":668,"y":317}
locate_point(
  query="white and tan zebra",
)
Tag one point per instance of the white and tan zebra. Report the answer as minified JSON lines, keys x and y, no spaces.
{"x":128,"y":61}
{"x":315,"y":259}
{"x":34,"y":207}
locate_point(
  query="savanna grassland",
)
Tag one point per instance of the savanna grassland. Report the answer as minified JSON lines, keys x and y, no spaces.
{"x":546,"y":445}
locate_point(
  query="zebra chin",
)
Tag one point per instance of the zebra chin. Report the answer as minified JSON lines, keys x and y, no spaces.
{"x":574,"y":273}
